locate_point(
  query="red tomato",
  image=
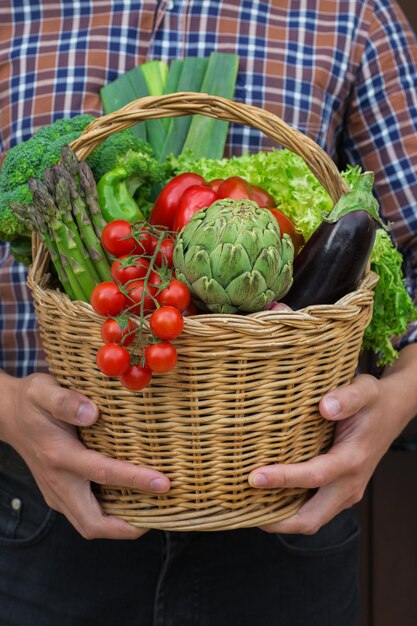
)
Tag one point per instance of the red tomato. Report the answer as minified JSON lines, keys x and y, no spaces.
{"x":129,"y":268}
{"x":215,"y":183}
{"x":137,"y":293}
{"x":143,"y":241}
{"x":136,"y":377}
{"x":115,"y":238}
{"x":192,"y":200}
{"x":107,"y":299}
{"x":286,"y":226}
{"x":161,"y":357}
{"x":112,"y":359}
{"x":166,"y":323}
{"x":176,"y":294}
{"x":262,"y":198}
{"x":165,"y":253}
{"x":235,"y":187}
{"x":166,"y":204}
{"x":113,"y":331}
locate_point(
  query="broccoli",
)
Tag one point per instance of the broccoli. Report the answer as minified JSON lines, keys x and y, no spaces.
{"x":107,"y":156}
{"x":29,"y":160}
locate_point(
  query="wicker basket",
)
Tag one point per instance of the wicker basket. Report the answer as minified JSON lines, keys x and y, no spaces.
{"x":246,"y":389}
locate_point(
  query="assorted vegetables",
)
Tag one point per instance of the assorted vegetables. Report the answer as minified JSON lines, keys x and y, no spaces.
{"x":139,"y":235}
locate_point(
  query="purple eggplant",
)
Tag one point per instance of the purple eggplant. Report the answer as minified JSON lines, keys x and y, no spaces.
{"x":334,"y":259}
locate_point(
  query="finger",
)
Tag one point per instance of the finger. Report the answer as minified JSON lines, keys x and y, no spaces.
{"x":63,"y":404}
{"x":100,"y":469}
{"x":83,"y":511}
{"x":311,"y":474}
{"x":314,"y":514}
{"x":347,"y":401}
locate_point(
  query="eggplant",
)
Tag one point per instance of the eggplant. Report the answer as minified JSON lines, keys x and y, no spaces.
{"x":333,"y":261}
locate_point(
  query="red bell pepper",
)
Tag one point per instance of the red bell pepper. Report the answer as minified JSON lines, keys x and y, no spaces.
{"x":166,"y":204}
{"x":235,"y":187}
{"x":192,"y":200}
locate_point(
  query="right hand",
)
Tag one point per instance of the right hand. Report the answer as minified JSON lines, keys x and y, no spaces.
{"x":38,"y":418}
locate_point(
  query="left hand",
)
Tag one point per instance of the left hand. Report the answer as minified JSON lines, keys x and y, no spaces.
{"x":366,"y":426}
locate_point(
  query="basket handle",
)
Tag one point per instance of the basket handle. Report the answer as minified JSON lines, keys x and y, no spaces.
{"x":190,"y":103}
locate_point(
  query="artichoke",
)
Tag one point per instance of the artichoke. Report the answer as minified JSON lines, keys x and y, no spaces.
{"x":232,"y":258}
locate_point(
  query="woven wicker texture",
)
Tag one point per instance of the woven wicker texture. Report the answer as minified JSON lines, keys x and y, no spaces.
{"x":245,"y":390}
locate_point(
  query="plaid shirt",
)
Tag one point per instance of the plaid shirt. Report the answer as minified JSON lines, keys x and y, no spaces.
{"x":342,"y":71}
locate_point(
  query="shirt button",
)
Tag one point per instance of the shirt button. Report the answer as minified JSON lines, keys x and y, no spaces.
{"x":16,"y":504}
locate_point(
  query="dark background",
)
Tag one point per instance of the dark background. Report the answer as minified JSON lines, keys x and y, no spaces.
{"x":388,"y":516}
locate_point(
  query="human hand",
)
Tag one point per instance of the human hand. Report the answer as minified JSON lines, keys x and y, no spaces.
{"x":365,"y":428}
{"x":39,"y":419}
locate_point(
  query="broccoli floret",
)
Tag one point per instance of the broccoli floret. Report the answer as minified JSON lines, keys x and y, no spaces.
{"x":29,"y":159}
{"x":106,"y":157}
{"x":10,"y":225}
{"x":143,"y":171}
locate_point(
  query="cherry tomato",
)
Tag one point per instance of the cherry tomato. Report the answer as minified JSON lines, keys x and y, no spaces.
{"x":107,"y":299}
{"x":176,"y":294}
{"x":166,"y":204}
{"x":143,"y":241}
{"x":166,"y":323}
{"x":161,"y":357}
{"x":262,"y":198}
{"x":136,"y":377}
{"x":112,"y":359}
{"x":215,"y":183}
{"x":235,"y":187}
{"x":192,"y":200}
{"x":116,"y":240}
{"x":114,"y":332}
{"x":165,"y":253}
{"x":137,"y":293}
{"x":129,"y":268}
{"x":286,"y":226}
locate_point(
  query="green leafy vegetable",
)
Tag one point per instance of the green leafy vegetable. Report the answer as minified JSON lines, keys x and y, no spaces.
{"x":393,"y":307}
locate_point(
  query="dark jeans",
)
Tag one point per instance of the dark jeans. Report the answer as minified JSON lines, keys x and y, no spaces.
{"x":50,"y":576}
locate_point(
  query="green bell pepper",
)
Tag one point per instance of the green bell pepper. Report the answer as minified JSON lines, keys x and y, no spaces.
{"x":116,"y":202}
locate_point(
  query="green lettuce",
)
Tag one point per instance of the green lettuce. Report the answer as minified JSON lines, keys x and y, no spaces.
{"x":299,"y":195}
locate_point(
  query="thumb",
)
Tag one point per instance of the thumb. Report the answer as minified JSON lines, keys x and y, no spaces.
{"x":347,"y":401}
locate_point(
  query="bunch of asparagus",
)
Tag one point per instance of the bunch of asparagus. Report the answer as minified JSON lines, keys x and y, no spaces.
{"x":66,"y":214}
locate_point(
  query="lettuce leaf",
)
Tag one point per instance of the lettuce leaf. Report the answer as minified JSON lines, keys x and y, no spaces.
{"x":302,"y":198}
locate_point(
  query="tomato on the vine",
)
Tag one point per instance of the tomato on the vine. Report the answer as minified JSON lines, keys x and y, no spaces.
{"x":113,"y":331}
{"x":138,"y":292}
{"x":107,"y":299}
{"x":166,"y":323}
{"x":112,"y":359}
{"x":165,"y":253}
{"x":176,"y":294}
{"x":136,"y":377}
{"x":161,"y":357}
{"x":128,"y":268}
{"x":116,"y":238}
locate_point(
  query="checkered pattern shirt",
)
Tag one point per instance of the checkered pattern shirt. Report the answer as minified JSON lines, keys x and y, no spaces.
{"x":342,"y":71}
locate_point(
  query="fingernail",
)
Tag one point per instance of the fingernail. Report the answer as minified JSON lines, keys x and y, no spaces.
{"x":159,"y":484}
{"x":332,"y":406}
{"x":86,"y":412}
{"x":259,"y":480}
